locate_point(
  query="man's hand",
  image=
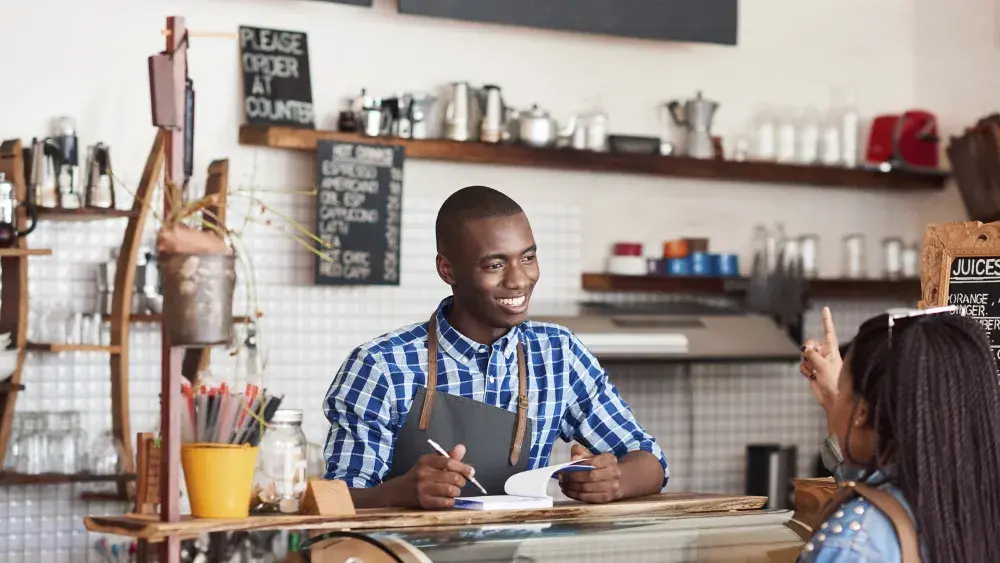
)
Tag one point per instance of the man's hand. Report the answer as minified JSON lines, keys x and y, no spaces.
{"x":435,"y":480}
{"x":599,"y":485}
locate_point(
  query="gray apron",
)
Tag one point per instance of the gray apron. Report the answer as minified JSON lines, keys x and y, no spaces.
{"x":450,"y":420}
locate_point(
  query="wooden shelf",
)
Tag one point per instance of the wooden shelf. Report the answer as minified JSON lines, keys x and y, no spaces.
{"x":48,"y":347}
{"x":6,"y":386}
{"x":907,"y":289}
{"x":8,"y":252}
{"x":7,"y":479}
{"x":84,"y":214}
{"x":149,"y":528}
{"x":571,"y":159}
{"x":103,"y":496}
{"x":146,"y":318}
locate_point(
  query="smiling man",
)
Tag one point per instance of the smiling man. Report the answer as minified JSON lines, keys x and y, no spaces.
{"x":478,"y":378}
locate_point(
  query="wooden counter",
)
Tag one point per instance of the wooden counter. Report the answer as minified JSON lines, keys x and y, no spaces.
{"x":149,"y":528}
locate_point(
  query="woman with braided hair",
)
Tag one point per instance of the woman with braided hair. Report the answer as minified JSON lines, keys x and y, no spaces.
{"x":915,"y":407}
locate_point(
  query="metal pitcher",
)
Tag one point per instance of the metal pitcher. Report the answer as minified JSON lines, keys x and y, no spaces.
{"x":695,"y":116}
{"x":462,"y":115}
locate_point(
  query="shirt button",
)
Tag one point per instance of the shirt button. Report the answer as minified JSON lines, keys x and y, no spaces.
{"x":492,"y":380}
{"x":483,"y":349}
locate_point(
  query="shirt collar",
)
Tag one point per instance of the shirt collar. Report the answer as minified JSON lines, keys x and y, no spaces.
{"x":461,"y":347}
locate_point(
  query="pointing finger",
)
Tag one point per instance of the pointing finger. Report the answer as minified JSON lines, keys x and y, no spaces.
{"x":829,"y":331}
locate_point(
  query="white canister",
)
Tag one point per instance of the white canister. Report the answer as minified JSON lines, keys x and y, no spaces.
{"x":854,"y":256}
{"x":911,"y":262}
{"x":892,"y":258}
{"x":809,"y":250}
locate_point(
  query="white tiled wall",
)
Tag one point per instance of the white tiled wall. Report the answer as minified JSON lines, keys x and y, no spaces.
{"x":308,"y":330}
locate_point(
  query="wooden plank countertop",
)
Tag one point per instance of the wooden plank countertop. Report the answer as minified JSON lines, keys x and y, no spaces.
{"x":149,"y":528}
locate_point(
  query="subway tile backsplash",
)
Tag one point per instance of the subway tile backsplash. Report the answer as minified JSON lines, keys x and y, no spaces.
{"x":703,"y":415}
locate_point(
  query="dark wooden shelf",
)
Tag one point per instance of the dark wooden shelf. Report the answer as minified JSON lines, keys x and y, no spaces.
{"x":49,"y":347}
{"x":571,"y":159}
{"x":7,"y":479}
{"x":907,"y":289}
{"x":84,"y":214}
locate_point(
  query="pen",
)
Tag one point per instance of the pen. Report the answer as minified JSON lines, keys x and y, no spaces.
{"x":441,"y":451}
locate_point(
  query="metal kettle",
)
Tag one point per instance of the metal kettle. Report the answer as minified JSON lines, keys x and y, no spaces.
{"x":9,"y":232}
{"x":494,"y":125}
{"x":695,"y":116}
{"x":462,"y":115}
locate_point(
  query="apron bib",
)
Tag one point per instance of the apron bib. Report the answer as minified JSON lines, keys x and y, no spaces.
{"x":494,"y":438}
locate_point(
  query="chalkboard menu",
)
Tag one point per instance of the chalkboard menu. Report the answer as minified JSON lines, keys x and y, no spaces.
{"x":358,"y":212}
{"x":702,"y":21}
{"x":974,"y":285}
{"x":277,"y":89}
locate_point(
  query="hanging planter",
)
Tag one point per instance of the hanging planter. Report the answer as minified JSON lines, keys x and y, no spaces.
{"x":198,"y":298}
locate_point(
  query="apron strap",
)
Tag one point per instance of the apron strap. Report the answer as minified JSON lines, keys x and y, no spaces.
{"x":522,"y":405}
{"x":432,"y":373}
{"x":909,"y":544}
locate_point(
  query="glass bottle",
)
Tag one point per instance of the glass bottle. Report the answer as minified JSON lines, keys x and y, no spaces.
{"x":283,"y":464}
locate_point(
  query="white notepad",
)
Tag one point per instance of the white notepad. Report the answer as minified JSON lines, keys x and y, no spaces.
{"x":525,"y":490}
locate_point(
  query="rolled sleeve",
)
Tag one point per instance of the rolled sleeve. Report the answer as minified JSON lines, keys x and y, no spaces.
{"x":597,"y":416}
{"x":358,"y":406}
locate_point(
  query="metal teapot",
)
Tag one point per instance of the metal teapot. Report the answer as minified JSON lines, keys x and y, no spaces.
{"x":8,"y":214}
{"x":696,"y":118}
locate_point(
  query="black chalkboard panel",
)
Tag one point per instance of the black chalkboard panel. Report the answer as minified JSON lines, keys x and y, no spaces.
{"x":974,"y":284}
{"x":700,"y":21}
{"x":277,"y":89}
{"x":358,"y":210}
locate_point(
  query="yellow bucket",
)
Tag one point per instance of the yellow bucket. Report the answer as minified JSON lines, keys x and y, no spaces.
{"x":219,"y":479}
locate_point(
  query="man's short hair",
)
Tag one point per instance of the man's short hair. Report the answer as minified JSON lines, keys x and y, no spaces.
{"x":470,"y":203}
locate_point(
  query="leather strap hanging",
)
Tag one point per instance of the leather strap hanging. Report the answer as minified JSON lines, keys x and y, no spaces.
{"x":909,"y":544}
{"x":522,"y":390}
{"x":522,"y":406}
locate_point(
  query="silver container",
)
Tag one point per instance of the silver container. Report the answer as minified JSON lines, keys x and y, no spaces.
{"x":855,"y":262}
{"x":198,"y":298}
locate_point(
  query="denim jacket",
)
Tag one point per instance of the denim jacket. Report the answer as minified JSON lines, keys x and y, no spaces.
{"x":858,"y":532}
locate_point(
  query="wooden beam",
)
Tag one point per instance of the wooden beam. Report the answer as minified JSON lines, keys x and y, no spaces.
{"x":14,"y":289}
{"x":170,"y":359}
{"x":121,"y":305}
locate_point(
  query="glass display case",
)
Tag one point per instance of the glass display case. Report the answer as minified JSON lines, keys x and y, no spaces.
{"x":758,"y":536}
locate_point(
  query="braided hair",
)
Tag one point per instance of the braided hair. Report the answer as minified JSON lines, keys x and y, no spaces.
{"x":934,"y":404}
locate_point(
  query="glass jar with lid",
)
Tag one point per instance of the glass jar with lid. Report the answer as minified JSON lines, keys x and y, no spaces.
{"x":281,"y":475}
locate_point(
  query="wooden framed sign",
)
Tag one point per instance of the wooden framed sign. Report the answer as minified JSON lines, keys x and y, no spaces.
{"x":359,"y":209}
{"x":961,"y":266}
{"x":277,"y":87}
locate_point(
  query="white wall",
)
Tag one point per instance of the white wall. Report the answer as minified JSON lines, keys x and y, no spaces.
{"x":89,"y":61}
{"x":790,"y":53}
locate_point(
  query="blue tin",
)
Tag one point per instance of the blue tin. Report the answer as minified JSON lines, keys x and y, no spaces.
{"x":702,"y":264}
{"x":727,"y":265}
{"x":679,"y":266}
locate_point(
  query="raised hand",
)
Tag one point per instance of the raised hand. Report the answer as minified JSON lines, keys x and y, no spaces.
{"x":821,"y":362}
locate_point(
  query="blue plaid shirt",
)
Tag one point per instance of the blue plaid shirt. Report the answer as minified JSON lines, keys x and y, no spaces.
{"x":569,"y":394}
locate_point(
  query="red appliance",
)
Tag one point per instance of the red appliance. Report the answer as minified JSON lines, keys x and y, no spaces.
{"x":906,"y":141}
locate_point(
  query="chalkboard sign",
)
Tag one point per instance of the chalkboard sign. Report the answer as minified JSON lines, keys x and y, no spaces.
{"x":700,"y":21}
{"x":974,"y":286}
{"x":358,"y":212}
{"x":277,"y":89}
{"x":961,"y":266}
